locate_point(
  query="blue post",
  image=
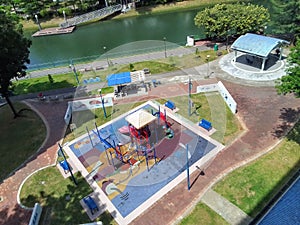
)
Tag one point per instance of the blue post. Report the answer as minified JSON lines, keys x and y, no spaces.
{"x":146,"y":156}
{"x":102,"y":101}
{"x":105,"y":147}
{"x":187,"y":167}
{"x":89,"y":137}
{"x":154,"y":154}
{"x":69,"y":168}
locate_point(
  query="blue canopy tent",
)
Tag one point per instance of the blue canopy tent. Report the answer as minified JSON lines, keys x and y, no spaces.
{"x":257,"y":45}
{"x":118,"y":79}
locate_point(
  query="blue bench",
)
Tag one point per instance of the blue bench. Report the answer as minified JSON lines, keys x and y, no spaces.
{"x":170,"y":105}
{"x":89,"y":201}
{"x":205,"y":124}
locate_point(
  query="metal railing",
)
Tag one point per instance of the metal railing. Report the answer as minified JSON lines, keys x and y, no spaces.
{"x":91,"y":16}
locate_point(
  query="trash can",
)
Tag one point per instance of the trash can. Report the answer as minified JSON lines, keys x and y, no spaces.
{"x":216,"y":47}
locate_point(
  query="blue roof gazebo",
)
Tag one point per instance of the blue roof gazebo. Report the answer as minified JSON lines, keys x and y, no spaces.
{"x":257,"y":45}
{"x":119,"y":79}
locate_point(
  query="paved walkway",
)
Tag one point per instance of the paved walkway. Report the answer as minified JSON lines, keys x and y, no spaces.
{"x":232,"y":214}
{"x":266,"y":115}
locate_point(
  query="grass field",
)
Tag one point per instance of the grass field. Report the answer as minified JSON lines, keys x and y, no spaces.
{"x":252,"y":186}
{"x":50,"y":189}
{"x":20,"y":137}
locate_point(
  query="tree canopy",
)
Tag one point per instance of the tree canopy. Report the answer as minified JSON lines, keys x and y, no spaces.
{"x":287,"y":17}
{"x":290,"y":83}
{"x":14,"y":53}
{"x":224,"y":19}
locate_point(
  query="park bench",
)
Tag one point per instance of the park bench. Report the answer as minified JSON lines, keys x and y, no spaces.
{"x":89,"y":201}
{"x":170,"y":105}
{"x":205,"y":124}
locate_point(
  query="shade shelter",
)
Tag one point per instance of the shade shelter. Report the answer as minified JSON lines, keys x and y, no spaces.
{"x":258,"y":46}
{"x":119,"y":79}
{"x":140,"y":119}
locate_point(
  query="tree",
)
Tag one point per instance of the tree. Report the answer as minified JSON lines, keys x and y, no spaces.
{"x":222,"y":19}
{"x":14,"y":53}
{"x":290,"y":83}
{"x":287,"y":17}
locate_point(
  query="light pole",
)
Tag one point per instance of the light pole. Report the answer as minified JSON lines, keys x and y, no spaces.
{"x":65,"y":18}
{"x":104,"y":48}
{"x":102,"y":102}
{"x":165,"y":47}
{"x":74,"y":71}
{"x":37,"y":21}
{"x":69,"y":168}
{"x":207,"y":58}
{"x":190,"y":90}
{"x":186,"y":147}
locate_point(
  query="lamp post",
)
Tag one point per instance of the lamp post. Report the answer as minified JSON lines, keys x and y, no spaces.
{"x":61,"y":152}
{"x":104,"y":48}
{"x":207,"y":58}
{"x":165,"y":47}
{"x":65,"y":18}
{"x":37,"y":21}
{"x":186,"y":147}
{"x":190,"y":90}
{"x":74,"y":71}
{"x":102,"y":102}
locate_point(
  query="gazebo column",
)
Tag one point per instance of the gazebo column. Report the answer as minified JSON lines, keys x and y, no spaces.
{"x":235,"y":56}
{"x":263,"y":64}
{"x":280,"y":54}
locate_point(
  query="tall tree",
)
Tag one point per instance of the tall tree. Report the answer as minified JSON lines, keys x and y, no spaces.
{"x":287,"y":17}
{"x":290,"y":83}
{"x":14,"y":53}
{"x":222,"y":19}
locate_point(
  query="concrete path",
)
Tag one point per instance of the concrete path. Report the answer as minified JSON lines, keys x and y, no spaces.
{"x":226,"y":209}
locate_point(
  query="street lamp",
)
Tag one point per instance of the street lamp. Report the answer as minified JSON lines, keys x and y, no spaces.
{"x":102,"y":102}
{"x":188,"y":155}
{"x":207,"y":58}
{"x":61,"y":152}
{"x":74,"y":71}
{"x":104,"y":48}
{"x":190,"y":101}
{"x":165,"y":47}
{"x":37,"y":21}
{"x":65,"y":18}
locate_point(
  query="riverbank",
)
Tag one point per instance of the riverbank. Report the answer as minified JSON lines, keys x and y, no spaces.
{"x":30,"y":26}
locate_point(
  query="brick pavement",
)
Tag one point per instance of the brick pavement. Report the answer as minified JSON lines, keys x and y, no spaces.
{"x":266,"y":115}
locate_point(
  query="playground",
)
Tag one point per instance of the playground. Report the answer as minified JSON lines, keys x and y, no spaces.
{"x":138,"y":157}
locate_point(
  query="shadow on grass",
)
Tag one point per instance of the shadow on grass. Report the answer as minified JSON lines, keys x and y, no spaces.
{"x":64,"y":208}
{"x":288,"y":117}
{"x":26,"y":87}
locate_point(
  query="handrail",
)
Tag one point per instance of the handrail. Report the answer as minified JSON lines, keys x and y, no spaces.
{"x":91,"y":15}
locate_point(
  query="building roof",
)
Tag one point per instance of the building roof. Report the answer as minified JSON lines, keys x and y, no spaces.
{"x":258,"y":45}
{"x":118,"y":78}
{"x":140,"y":118}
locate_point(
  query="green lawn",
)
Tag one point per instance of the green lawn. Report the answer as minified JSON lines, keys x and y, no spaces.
{"x":202,"y":214}
{"x":252,"y":186}
{"x":50,"y":189}
{"x":34,"y":85}
{"x":15,"y":135}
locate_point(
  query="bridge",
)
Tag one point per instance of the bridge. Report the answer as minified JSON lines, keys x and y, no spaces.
{"x":91,"y":16}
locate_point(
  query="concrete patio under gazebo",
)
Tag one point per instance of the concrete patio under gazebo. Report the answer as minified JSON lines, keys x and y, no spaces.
{"x":257,"y":47}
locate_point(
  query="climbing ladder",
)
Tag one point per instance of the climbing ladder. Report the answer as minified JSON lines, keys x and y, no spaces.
{"x":91,"y":16}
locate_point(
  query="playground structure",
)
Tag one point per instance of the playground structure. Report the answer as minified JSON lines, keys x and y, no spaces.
{"x":132,"y":160}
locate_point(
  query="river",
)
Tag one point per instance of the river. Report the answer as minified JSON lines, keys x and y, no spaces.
{"x":90,"y":40}
{"x":87,"y":42}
